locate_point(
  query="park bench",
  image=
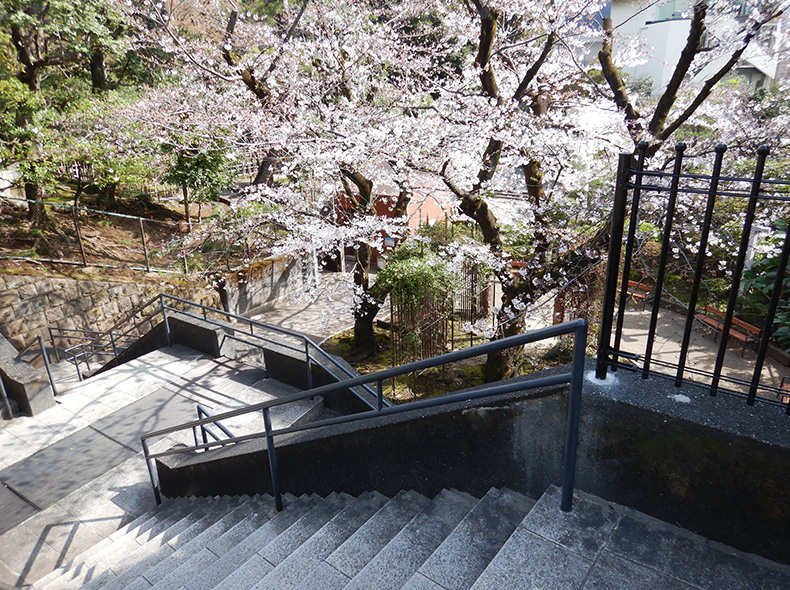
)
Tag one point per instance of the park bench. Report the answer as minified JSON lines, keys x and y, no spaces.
{"x":784,"y":391}
{"x":638,"y":292}
{"x":742,"y":331}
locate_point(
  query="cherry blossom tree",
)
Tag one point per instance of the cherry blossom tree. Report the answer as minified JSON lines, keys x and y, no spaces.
{"x":485,"y":94}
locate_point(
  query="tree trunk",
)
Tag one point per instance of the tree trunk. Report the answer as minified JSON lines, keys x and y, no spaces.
{"x":185,"y":192}
{"x":98,"y":71}
{"x":365,"y":312}
{"x":112,"y":190}
{"x":266,"y":168}
{"x":35,"y":208}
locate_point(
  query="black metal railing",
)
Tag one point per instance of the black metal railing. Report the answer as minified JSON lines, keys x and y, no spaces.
{"x":257,"y":335}
{"x":574,"y":377}
{"x":205,"y":431}
{"x":94,"y":345}
{"x":679,"y":208}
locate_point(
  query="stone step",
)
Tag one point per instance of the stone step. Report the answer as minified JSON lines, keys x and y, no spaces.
{"x":276,"y":551}
{"x":469,"y":548}
{"x":139,"y":525}
{"x":99,"y":567}
{"x":157,"y":570}
{"x":300,"y":563}
{"x":371,"y":537}
{"x":397,"y":561}
{"x":504,"y":541}
{"x":215,"y":574}
{"x":257,"y":516}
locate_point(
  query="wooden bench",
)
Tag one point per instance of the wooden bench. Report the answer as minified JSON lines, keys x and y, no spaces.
{"x":784,"y":391}
{"x":742,"y":331}
{"x":639,"y":291}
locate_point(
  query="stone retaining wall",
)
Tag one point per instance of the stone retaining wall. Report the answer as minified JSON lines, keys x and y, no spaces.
{"x":28,"y":304}
{"x":265,"y":282}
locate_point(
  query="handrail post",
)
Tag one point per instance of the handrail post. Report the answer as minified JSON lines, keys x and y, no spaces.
{"x":165,"y":320}
{"x":574,"y":415}
{"x":145,"y":246}
{"x":379,"y":395}
{"x":267,"y":424}
{"x":114,"y":349}
{"x":46,"y":364}
{"x":151,"y":472}
{"x":613,"y":268}
{"x":308,"y":363}
{"x":52,"y":339}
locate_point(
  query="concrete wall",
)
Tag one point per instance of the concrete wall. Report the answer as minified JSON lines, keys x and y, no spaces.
{"x":264,"y":282}
{"x":712,"y":465}
{"x":28,"y":304}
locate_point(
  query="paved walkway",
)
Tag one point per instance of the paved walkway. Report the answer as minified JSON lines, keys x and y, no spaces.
{"x":81,"y":459}
{"x":703,"y":348}
{"x":329,"y":314}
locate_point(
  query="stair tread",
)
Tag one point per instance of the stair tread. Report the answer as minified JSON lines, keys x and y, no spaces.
{"x":289,"y":573}
{"x":181,"y":565}
{"x":96,"y":564}
{"x":408,"y":550}
{"x":236,"y":558}
{"x":160,"y":564}
{"x":137,"y":526}
{"x":285,"y":543}
{"x":468,"y":549}
{"x":127,"y":561}
{"x":371,"y":537}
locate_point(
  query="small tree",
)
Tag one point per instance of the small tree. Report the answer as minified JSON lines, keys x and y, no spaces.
{"x":201,"y":174}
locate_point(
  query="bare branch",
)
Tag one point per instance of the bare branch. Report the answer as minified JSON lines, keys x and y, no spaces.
{"x":707,"y":88}
{"x":490,"y":163}
{"x":691,"y":49}
{"x":287,"y":37}
{"x":364,"y":186}
{"x":488,"y":24}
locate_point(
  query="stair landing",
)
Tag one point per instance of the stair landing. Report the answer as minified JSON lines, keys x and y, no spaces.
{"x":85,"y":452}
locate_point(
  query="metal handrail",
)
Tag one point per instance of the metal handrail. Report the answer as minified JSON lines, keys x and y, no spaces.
{"x":111,"y":331}
{"x":44,"y":355}
{"x":310,"y":349}
{"x":575,"y":378}
{"x":308,"y":344}
{"x":202,"y":411}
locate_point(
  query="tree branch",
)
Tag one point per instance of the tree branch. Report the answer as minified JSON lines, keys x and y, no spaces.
{"x":687,"y":56}
{"x":287,"y":37}
{"x":532,"y":71}
{"x":614,"y":80}
{"x":490,"y":162}
{"x":707,"y":88}
{"x":488,"y":24}
{"x":477,"y":209}
{"x":364,"y":186}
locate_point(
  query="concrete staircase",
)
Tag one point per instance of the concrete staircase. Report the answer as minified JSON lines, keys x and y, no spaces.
{"x":452,"y":542}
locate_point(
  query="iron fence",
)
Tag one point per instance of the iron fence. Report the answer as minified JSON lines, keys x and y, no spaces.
{"x":697,"y":247}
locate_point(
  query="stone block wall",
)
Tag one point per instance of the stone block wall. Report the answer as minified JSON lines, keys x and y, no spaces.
{"x":265,"y":282}
{"x":29,"y":304}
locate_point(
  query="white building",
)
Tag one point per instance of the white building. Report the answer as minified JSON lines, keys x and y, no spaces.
{"x":660,"y":29}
